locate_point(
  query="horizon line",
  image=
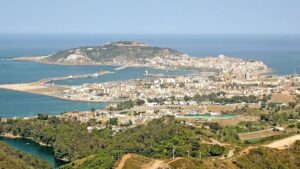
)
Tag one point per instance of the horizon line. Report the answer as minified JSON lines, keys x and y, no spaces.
{"x":142,"y":34}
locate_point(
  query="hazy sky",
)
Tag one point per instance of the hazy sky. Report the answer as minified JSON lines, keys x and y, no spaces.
{"x":150,"y":16}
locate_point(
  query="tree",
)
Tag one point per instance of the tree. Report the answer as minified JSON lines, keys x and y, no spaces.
{"x":125,"y":105}
{"x":298,"y":125}
{"x":213,"y":126}
{"x":172,"y":98}
{"x":216,"y":150}
{"x":187,"y":98}
{"x":92,"y":122}
{"x":140,"y":102}
{"x":42,"y":116}
{"x":113,"y":121}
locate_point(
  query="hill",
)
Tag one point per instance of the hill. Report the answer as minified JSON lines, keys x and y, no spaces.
{"x":256,"y":159}
{"x":12,"y":159}
{"x":119,"y":53}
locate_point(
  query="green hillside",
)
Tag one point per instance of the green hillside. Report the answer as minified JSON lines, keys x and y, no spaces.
{"x":12,"y":159}
{"x":124,"y":51}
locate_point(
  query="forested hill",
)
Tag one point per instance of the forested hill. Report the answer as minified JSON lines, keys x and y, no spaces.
{"x":12,"y":159}
{"x":119,"y":53}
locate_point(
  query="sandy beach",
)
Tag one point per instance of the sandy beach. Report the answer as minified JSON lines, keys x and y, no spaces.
{"x":56,"y":91}
{"x":23,"y":87}
{"x":9,"y":135}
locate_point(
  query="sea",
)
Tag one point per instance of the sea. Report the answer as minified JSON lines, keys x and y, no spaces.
{"x":279,"y":52}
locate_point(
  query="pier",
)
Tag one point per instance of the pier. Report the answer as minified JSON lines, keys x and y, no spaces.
{"x":47,"y":80}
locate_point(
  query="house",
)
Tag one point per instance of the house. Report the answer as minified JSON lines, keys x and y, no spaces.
{"x":277,"y":128}
{"x":90,"y":129}
{"x":192,"y":103}
{"x":215,"y":113}
{"x":167,"y":103}
{"x":152,"y":104}
{"x":182,"y":102}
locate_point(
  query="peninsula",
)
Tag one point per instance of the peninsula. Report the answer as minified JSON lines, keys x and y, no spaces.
{"x":136,"y":54}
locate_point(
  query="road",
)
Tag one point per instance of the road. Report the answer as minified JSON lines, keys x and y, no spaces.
{"x":123,"y":161}
{"x":283,"y":143}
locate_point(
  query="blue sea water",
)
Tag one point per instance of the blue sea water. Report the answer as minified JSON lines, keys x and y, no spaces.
{"x":19,"y":104}
{"x":24,"y":72}
{"x":124,"y":74}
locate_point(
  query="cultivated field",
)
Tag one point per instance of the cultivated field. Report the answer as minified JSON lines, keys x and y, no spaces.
{"x":258,"y":134}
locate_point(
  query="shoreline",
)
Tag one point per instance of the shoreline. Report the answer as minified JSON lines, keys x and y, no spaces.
{"x":33,"y":59}
{"x":50,"y":91}
{"x":11,"y":136}
{"x":116,"y":66}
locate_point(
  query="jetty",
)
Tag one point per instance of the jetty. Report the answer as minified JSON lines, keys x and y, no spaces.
{"x":49,"y":80}
{"x":122,"y":67}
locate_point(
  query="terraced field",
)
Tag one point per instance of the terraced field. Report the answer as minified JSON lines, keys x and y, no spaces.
{"x":258,"y":134}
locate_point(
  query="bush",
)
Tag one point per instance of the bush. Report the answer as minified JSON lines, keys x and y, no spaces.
{"x":42,"y":116}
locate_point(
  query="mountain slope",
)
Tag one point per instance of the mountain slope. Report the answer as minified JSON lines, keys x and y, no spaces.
{"x":122,"y":52}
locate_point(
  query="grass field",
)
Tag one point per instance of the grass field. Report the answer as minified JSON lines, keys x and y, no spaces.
{"x":136,"y":162}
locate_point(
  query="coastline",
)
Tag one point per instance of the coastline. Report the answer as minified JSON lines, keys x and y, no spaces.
{"x":11,"y":136}
{"x":116,"y":66}
{"x":2,"y":87}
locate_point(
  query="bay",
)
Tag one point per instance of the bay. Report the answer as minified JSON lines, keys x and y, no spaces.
{"x":19,"y":104}
{"x":28,"y":146}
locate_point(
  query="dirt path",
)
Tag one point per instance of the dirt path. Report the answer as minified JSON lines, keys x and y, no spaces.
{"x":214,"y":141}
{"x":123,"y":161}
{"x":278,"y":144}
{"x":154,"y":165}
{"x":218,"y":142}
{"x":283,"y":143}
{"x":230,"y":153}
{"x":178,"y":158}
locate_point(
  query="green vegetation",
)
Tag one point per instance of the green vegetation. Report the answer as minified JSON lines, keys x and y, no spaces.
{"x":71,"y":140}
{"x":101,"y":160}
{"x":125,"y":105}
{"x":12,"y":159}
{"x":259,"y":158}
{"x":113,"y":121}
{"x":128,"y":104}
{"x":112,"y":51}
{"x":271,"y":158}
{"x":281,"y":116}
{"x":216,"y":97}
{"x":158,"y":138}
{"x":42,"y":116}
{"x":155,"y":139}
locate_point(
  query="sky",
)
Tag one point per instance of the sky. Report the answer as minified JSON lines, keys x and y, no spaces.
{"x":150,"y":16}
